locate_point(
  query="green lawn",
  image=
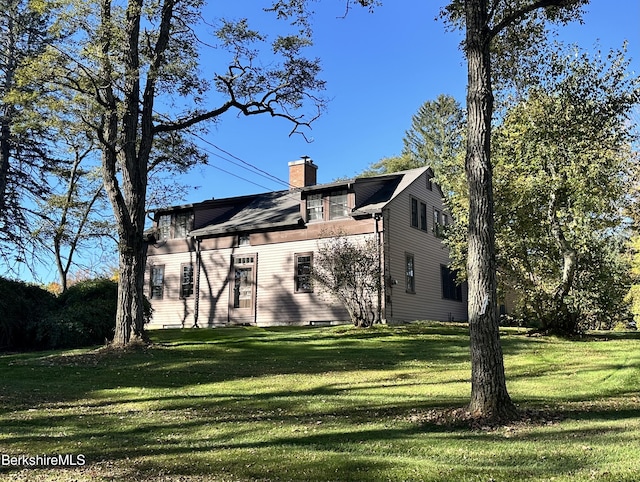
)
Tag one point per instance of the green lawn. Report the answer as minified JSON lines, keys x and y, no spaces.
{"x":321,"y":404}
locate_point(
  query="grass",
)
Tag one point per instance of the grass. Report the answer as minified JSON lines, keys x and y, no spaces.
{"x":321,"y":404}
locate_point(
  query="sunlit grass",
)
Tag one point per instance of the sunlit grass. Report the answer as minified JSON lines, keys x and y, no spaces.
{"x":321,"y":404}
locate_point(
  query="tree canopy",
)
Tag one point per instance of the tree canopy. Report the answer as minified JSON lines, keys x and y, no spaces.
{"x":132,"y":75}
{"x":561,"y":163}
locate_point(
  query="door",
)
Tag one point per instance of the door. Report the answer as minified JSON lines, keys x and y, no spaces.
{"x":242,"y":294}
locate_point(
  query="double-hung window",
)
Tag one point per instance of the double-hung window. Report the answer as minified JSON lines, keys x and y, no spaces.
{"x":315,"y":211}
{"x":327,"y":206}
{"x":164,"y":227}
{"x":338,"y":207}
{"x":186,"y":280}
{"x":418,"y":214}
{"x":451,"y":290}
{"x":414,"y":212}
{"x":157,"y":282}
{"x":438,"y":223}
{"x":182,"y":225}
{"x":410,"y":270}
{"x":423,"y":216}
{"x":175,"y":225}
{"x":303,"y":265}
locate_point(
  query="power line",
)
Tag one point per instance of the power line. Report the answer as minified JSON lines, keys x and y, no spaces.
{"x":244,"y":164}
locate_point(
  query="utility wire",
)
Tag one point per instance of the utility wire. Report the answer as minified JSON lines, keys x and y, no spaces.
{"x":244,"y":164}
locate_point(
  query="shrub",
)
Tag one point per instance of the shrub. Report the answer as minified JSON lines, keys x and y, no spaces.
{"x":22,"y":307}
{"x":85,"y":316}
{"x":350,"y":271}
{"x":32,"y":318}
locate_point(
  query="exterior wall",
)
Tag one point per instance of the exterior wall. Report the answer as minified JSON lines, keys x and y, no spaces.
{"x":276,"y":301}
{"x":427,"y":302}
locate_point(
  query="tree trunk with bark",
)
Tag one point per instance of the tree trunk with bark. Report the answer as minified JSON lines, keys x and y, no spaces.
{"x":126,"y":137}
{"x":489,"y":396}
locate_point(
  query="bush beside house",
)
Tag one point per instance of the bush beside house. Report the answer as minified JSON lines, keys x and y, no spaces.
{"x":31,"y":318}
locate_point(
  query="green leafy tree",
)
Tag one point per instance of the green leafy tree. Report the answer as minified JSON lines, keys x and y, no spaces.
{"x":560,"y":161}
{"x":434,"y":139}
{"x":498,"y":34}
{"x":633,"y":295}
{"x":24,"y":145}
{"x":125,"y":62}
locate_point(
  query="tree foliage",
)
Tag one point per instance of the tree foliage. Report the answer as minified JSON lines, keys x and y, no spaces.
{"x":434,"y":138}
{"x":350,"y":270}
{"x":561,"y":163}
{"x":25,"y":156}
{"x":132,"y":73}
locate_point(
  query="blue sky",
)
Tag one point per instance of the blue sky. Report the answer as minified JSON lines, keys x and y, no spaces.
{"x":379,"y":67}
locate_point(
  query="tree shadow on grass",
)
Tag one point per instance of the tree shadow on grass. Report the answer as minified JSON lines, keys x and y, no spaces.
{"x":305,"y":451}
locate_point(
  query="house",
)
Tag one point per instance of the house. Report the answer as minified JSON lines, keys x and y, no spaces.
{"x":245,"y":260}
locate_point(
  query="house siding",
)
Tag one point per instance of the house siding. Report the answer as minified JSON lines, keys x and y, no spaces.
{"x":429,"y":254}
{"x":276,"y":302}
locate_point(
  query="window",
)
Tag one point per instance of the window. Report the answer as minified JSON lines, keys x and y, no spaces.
{"x":327,"y":206}
{"x":338,"y":208}
{"x":303,"y":264}
{"x":410,"y":273}
{"x":438,"y":225}
{"x":423,"y":216}
{"x":182,"y":225}
{"x":157,"y":282}
{"x":314,"y":207}
{"x":418,"y":214}
{"x":164,"y":227}
{"x":244,"y":240}
{"x":186,"y":280}
{"x":451,"y":290}
{"x":429,"y":180}
{"x":177,"y":225}
{"x":414,"y":212}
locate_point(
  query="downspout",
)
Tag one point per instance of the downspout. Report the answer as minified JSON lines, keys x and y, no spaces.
{"x":376,"y":218}
{"x":196,"y":308}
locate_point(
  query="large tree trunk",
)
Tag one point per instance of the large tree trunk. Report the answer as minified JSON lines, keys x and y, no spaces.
{"x":126,"y":148}
{"x":489,"y":396}
{"x":5,"y":153}
{"x":130,"y":313}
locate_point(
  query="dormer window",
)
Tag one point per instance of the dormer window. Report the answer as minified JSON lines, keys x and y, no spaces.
{"x":327,"y":206}
{"x":164,"y":227}
{"x":174,"y":225}
{"x":339,"y":207}
{"x":314,"y":207}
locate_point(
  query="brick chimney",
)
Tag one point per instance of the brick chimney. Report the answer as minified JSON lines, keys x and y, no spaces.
{"x":302,"y":173}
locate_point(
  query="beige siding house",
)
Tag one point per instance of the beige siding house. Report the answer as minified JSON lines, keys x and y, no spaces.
{"x":245,"y":260}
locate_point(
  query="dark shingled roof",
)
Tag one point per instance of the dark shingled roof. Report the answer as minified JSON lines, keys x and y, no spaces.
{"x":281,"y":209}
{"x":268,"y":210}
